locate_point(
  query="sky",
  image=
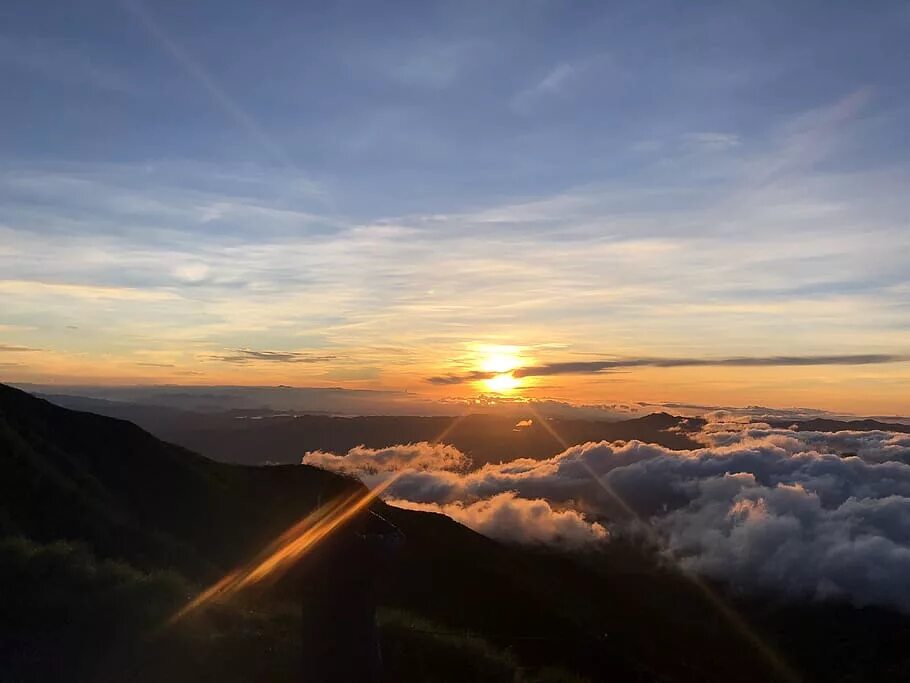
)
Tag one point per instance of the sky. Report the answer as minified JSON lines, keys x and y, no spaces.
{"x":701,"y":202}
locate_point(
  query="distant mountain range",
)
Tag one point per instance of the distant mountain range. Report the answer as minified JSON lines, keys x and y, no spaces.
{"x":105,"y":530}
{"x":826,"y":425}
{"x":258,"y":437}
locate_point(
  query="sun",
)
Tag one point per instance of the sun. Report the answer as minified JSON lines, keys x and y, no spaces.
{"x":502,"y":384}
{"x":501,"y":361}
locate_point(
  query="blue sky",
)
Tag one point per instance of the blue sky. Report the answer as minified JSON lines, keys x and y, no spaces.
{"x":396,"y":186}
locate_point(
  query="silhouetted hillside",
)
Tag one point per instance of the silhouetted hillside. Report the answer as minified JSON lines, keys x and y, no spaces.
{"x":108,"y":530}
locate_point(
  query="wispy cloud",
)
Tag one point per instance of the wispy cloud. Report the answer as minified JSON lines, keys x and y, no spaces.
{"x":4,"y":348}
{"x":83,"y":291}
{"x":427,"y":65}
{"x":246,"y":356}
{"x":707,"y":259}
{"x":712,"y":141}
{"x":597,"y":366}
{"x":561,"y":79}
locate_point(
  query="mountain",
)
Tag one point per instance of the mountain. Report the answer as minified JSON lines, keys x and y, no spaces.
{"x":826,"y":425}
{"x":106,"y":531}
{"x":257,"y":437}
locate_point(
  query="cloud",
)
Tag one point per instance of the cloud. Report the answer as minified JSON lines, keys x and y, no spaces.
{"x":724,"y":431}
{"x":191,"y":272}
{"x":786,"y":539}
{"x":431,"y":65}
{"x":503,"y":515}
{"x":683,"y":263}
{"x":551,"y":84}
{"x":597,"y":366}
{"x":563,"y":79}
{"x":509,"y":518}
{"x":88,"y":292}
{"x":245,"y":356}
{"x":711,"y":141}
{"x":362,"y":461}
{"x":805,"y":514}
{"x":753,"y":413}
{"x":5,"y":348}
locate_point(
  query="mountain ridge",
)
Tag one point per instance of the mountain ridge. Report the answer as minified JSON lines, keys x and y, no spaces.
{"x":71,"y":479}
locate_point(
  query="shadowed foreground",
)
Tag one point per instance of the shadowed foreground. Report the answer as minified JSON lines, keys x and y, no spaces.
{"x":107,"y":532}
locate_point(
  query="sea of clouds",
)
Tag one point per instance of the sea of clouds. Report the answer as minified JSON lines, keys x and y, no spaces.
{"x":807,"y":514}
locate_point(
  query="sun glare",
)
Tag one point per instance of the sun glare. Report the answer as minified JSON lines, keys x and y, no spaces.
{"x":502,"y":384}
{"x":501,"y":361}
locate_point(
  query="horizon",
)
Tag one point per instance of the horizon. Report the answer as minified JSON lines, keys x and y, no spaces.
{"x":460,"y":201}
{"x":347,"y":402}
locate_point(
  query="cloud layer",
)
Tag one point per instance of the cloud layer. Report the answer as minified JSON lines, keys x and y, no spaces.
{"x":806,"y":514}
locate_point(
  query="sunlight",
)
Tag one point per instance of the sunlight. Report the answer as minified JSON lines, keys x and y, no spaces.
{"x":502,"y":384}
{"x":501,"y":360}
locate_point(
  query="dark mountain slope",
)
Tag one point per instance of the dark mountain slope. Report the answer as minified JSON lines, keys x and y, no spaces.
{"x":109,"y":485}
{"x":614,"y":615}
{"x":73,"y":475}
{"x":115,"y":488}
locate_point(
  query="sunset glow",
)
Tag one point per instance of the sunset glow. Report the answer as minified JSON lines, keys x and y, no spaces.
{"x":502,"y":384}
{"x":301,"y":255}
{"x":501,"y":359}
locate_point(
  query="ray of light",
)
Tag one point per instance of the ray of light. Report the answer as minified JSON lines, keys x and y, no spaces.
{"x":731,"y":616}
{"x":195,"y":70}
{"x":543,"y":422}
{"x":282,"y":553}
{"x":448,"y":430}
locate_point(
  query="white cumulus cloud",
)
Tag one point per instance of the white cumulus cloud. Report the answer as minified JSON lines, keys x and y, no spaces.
{"x":806,"y":514}
{"x":507,"y":517}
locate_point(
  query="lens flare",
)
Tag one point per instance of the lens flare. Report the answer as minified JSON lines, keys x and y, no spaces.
{"x":280,"y":555}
